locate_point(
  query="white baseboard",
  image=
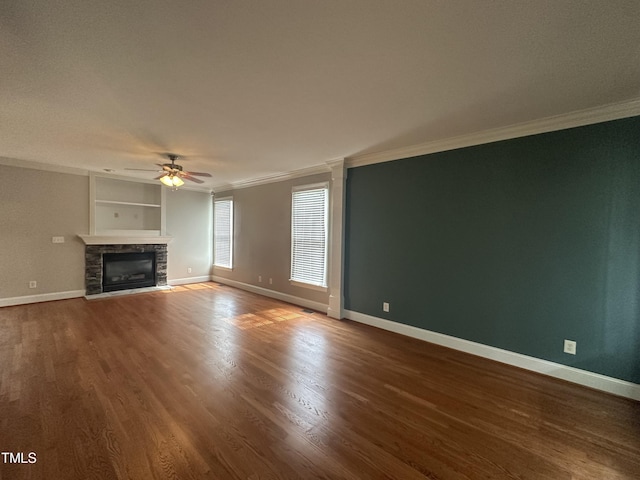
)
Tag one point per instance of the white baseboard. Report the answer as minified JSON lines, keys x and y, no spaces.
{"x":571,"y":374}
{"x":303,"y":302}
{"x":43,"y":297}
{"x":185,"y":281}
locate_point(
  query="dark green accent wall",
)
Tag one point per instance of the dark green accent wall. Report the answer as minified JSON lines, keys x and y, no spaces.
{"x":517,"y":244}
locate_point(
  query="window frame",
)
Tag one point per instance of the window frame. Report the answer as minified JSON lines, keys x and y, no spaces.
{"x":297,"y":281}
{"x":231,"y":229}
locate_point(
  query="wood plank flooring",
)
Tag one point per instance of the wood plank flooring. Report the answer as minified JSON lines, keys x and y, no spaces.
{"x":207,"y":381}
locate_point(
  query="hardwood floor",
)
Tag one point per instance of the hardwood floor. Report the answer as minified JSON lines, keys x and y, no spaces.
{"x":207,"y":381}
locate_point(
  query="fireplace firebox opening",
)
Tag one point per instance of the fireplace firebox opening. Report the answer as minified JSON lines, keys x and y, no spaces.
{"x":122,"y":271}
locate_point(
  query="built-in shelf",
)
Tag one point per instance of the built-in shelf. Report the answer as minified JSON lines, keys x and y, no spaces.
{"x":126,"y":207}
{"x":114,"y":202}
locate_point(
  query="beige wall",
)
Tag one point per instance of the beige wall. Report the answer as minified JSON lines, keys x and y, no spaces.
{"x":262,"y":237}
{"x":189,"y":222}
{"x":36,"y":205}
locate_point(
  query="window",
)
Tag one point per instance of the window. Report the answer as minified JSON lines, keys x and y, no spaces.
{"x":309,"y":235}
{"x":223,"y":232}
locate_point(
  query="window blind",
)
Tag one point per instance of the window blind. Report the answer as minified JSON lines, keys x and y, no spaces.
{"x":309,"y":236}
{"x":223,"y":233}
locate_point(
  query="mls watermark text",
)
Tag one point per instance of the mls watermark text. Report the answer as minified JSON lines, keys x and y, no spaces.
{"x":19,"y":457}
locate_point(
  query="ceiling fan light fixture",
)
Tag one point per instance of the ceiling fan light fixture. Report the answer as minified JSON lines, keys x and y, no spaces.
{"x":177,"y":181}
{"x":167,"y":180}
{"x":173,"y":181}
{"x":172,"y":175}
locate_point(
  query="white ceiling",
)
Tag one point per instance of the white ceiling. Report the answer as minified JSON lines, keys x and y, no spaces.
{"x":249,"y":89}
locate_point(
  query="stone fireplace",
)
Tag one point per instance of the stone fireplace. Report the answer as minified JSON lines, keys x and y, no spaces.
{"x":95,"y":254}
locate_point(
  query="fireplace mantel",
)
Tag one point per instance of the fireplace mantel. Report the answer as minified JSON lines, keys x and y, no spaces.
{"x":124,"y":240}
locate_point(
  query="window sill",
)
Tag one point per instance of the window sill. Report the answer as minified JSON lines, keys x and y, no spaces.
{"x":223,"y":268}
{"x":309,"y":286}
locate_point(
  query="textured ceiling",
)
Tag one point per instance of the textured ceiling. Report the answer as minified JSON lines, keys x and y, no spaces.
{"x":248,"y":89}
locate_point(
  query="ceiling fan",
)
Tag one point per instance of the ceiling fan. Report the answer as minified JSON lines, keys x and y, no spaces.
{"x":172,"y":174}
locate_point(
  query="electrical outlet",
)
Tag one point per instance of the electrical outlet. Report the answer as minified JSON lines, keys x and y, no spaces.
{"x":570,"y":347}
{"x":57,"y":239}
{"x":259,"y":278}
{"x":189,"y":270}
{"x":385,"y":306}
{"x":33,"y":284}
{"x":271,"y":281}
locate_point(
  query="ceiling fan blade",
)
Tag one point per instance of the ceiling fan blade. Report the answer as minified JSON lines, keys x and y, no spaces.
{"x":189,"y":177}
{"x":173,"y":169}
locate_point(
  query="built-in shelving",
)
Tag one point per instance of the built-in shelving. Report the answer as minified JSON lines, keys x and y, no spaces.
{"x":113,"y":202}
{"x":126,"y":207}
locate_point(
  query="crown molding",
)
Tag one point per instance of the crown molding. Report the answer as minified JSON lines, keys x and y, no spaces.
{"x":116,"y":176}
{"x":338,"y":162}
{"x":14,"y":162}
{"x":279,"y":177}
{"x":220,"y":188}
{"x":579,"y":118}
